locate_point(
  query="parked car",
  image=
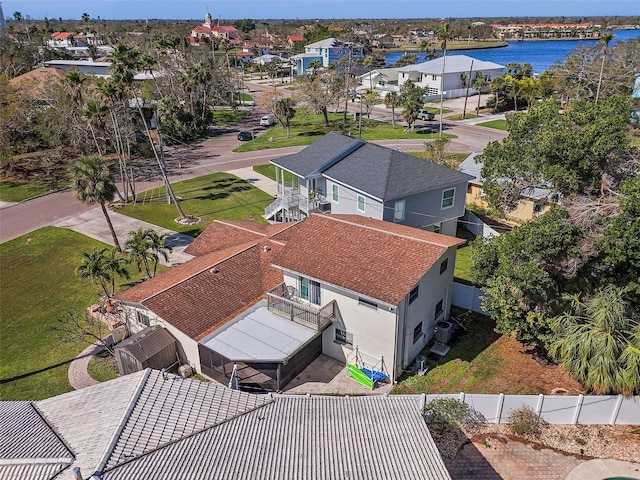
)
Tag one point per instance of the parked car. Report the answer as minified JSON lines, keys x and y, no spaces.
{"x":267,"y":121}
{"x":424,"y":115}
{"x":245,"y":136}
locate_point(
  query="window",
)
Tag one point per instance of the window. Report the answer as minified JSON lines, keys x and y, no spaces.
{"x":367,"y":303}
{"x":309,"y":290}
{"x":398,"y":211}
{"x":335,"y":195}
{"x":447,"y":197}
{"x":360,"y":203}
{"x":444,"y":265}
{"x":343,"y":337}
{"x":417,"y":333}
{"x":143,"y":318}
{"x":434,"y":78}
{"x":413,"y":294}
{"x":439,"y":310}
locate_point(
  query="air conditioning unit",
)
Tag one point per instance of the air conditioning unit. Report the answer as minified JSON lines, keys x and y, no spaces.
{"x":324,"y":206}
{"x":443,"y":332}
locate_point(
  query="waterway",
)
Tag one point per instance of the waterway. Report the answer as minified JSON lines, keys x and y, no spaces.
{"x":541,"y":54}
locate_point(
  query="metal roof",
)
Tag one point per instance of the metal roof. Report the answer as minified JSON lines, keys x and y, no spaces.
{"x":260,"y":335}
{"x":452,"y":64}
{"x":26,"y":435}
{"x":147,"y":342}
{"x":315,"y":438}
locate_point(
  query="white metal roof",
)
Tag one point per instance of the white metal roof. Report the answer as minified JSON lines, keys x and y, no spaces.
{"x":261,"y":335}
{"x":452,"y":64}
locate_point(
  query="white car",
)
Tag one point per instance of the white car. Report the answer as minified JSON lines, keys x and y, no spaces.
{"x":267,"y":121}
{"x":424,"y":115}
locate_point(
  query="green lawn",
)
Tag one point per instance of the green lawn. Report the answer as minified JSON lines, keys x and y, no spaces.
{"x":459,"y":116}
{"x":37,"y":284}
{"x":103,"y":367}
{"x":306,"y":129}
{"x":219,"y":196}
{"x":269,"y":170}
{"x":497,"y":124}
{"x":468,"y":363}
{"x":227,"y":118}
{"x":462,"y":269}
{"x":17,"y":191}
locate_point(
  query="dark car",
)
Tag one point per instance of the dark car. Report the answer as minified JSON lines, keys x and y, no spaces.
{"x":245,"y":136}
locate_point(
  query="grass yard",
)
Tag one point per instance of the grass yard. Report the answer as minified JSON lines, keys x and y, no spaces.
{"x":452,"y":157}
{"x":218,"y":196}
{"x":462,"y":269}
{"x":103,"y":367}
{"x":227,"y":118}
{"x":17,"y":191}
{"x":482,"y":361}
{"x":36,"y":287}
{"x":307,"y":128}
{"x":497,"y":124}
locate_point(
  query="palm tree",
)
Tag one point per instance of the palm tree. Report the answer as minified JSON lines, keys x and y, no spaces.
{"x":94,"y":268}
{"x":428,"y":51}
{"x":158,"y":247}
{"x":598,"y":341}
{"x":17,"y":16}
{"x":369,"y":62}
{"x":93,"y":112}
{"x":124,"y":63}
{"x":74,"y":81}
{"x":285,"y":111}
{"x":137,"y":246}
{"x":444,"y":33}
{"x":478,"y":84}
{"x":92,"y":182}
{"x":116,"y":265}
{"x":605,"y":38}
{"x":392,"y":100}
{"x":86,"y":17}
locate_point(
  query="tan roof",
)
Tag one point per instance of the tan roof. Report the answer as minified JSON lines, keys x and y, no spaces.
{"x":226,"y":234}
{"x":35,"y":84}
{"x":374,"y":258}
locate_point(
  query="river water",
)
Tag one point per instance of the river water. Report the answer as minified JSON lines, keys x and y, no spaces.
{"x":541,"y":54}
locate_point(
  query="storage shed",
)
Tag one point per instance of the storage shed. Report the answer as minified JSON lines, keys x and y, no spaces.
{"x":154,"y":347}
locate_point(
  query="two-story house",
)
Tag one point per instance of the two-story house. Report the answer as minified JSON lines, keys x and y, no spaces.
{"x":342,"y":174}
{"x":271,"y":299}
{"x":325,"y":52}
{"x":444,"y":74}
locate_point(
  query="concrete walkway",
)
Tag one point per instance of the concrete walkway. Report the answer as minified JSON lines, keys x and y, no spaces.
{"x":78,"y":374}
{"x":604,"y":468}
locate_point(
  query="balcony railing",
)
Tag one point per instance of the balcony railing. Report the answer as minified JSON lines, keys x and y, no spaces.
{"x":292,"y":200}
{"x":298,"y":310}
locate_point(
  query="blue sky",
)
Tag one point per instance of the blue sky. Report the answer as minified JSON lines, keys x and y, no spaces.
{"x":311,"y":9}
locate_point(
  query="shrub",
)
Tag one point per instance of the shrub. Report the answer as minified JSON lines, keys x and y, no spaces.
{"x":446,"y":410}
{"x":524,"y":421}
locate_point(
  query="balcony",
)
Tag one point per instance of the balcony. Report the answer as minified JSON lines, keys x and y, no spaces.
{"x":280,"y":302}
{"x":292,"y":201}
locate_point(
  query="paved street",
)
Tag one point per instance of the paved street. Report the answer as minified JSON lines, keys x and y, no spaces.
{"x":209,"y":156}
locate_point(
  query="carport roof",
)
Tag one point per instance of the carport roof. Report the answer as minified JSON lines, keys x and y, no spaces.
{"x":261,"y":335}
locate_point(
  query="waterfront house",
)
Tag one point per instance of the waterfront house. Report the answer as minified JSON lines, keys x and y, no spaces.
{"x":326,"y":52}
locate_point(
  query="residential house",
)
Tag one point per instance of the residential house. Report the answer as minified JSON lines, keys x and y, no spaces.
{"x":546,"y":30}
{"x":271,"y":299}
{"x":36,"y":84}
{"x":383,"y":40}
{"x":90,"y":67}
{"x":383,"y":80}
{"x":342,"y":174}
{"x":209,"y":32}
{"x":155,"y":425}
{"x":326,"y":52}
{"x":534,"y":201}
{"x":66,"y":39}
{"x":294,"y":40}
{"x":436,"y":77}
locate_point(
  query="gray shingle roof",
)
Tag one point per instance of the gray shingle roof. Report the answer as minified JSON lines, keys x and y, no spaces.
{"x":303,"y":438}
{"x":388,"y":174}
{"x":330,"y":148}
{"x":26,"y":435}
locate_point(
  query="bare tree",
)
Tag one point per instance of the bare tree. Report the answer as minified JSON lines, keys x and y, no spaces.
{"x":74,"y":326}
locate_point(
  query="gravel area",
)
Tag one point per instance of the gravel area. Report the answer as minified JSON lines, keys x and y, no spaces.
{"x":621,"y":442}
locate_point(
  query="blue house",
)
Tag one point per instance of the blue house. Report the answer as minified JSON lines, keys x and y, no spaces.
{"x":341,"y":174}
{"x":326,"y":52}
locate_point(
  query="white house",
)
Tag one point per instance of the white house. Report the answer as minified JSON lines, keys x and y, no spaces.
{"x":384,"y":80}
{"x":342,"y":174}
{"x":270,"y":299}
{"x":326,"y":52}
{"x":445,"y":74}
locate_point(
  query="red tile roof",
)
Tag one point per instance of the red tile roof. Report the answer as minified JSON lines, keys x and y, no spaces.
{"x":376,"y":259}
{"x":296,"y":38}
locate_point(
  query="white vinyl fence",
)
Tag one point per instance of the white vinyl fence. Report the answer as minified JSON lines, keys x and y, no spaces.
{"x":558,"y":409}
{"x":467,"y":297}
{"x":476,"y":226}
